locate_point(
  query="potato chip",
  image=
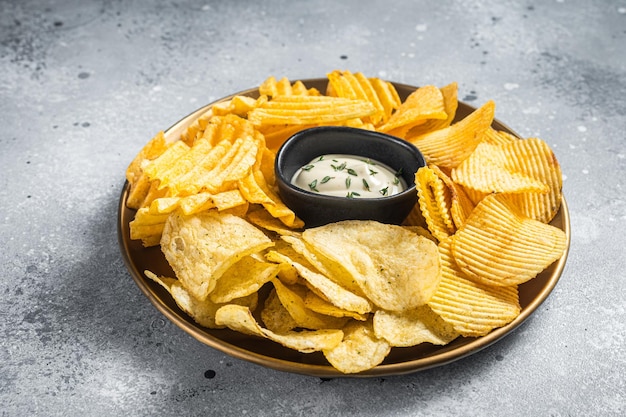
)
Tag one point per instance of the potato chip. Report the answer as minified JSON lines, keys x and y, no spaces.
{"x":448,"y":147}
{"x":413,"y":327}
{"x":450,"y":104}
{"x":151,"y":150}
{"x":307,"y":110}
{"x":201,"y":247}
{"x":356,"y":86}
{"x":243,"y":278}
{"x":202,"y":312}
{"x":434,"y":200}
{"x":147,"y":227}
{"x":498,"y":245}
{"x":333,"y":292}
{"x":472,"y":308}
{"x":292,"y":297}
{"x":263,"y":219}
{"x":275,"y":316}
{"x":423,"y":104}
{"x":461,"y":205}
{"x":496,"y":169}
{"x":325,"y":307}
{"x":359,"y":350}
{"x":240,"y":319}
{"x":387,"y":95}
{"x":395,"y":268}
{"x":536,"y":159}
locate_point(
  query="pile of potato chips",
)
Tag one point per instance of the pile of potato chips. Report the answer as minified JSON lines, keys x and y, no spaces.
{"x":353,"y":289}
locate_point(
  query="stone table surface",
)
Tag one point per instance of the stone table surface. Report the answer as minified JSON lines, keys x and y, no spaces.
{"x":85,"y":83}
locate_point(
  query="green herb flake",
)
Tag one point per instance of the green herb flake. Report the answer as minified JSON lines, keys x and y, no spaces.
{"x":348,"y":182}
{"x":372,"y":172}
{"x":352,"y":172}
{"x":313,"y":185}
{"x":353,"y":194}
{"x":308,"y":167}
{"x":326,"y":179}
{"x":384,"y":191}
{"x":366,"y":185}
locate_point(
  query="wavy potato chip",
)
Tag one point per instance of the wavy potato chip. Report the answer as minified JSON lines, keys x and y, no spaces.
{"x":434,"y":201}
{"x":423,"y":104}
{"x":201,"y":247}
{"x":472,"y":308}
{"x":450,"y":146}
{"x":498,"y":245}
{"x":395,"y":268}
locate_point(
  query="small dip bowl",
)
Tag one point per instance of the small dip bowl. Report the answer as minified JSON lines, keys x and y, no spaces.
{"x":317,"y":209}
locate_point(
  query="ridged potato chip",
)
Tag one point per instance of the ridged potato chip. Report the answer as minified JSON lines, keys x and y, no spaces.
{"x":450,"y":146}
{"x":201,"y":247}
{"x":396,"y":269}
{"x":461,"y":205}
{"x":450,"y":104}
{"x":498,"y":245}
{"x":434,"y":200}
{"x":425,"y":103}
{"x":359,"y":350}
{"x":356,"y":86}
{"x":498,"y":169}
{"x":472,"y":308}
{"x":240,"y":318}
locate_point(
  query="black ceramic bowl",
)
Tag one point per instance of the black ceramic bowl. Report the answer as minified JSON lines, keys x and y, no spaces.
{"x":316,"y":209}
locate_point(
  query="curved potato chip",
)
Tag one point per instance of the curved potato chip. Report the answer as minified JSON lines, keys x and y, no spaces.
{"x":239,"y":318}
{"x":423,"y":104}
{"x":496,"y":169}
{"x":243,"y":278}
{"x":449,"y":146}
{"x":413,"y":327}
{"x":472,"y":308}
{"x":333,"y":292}
{"x":434,"y":200}
{"x":395,"y":268}
{"x":292,"y":297}
{"x":461,"y":204}
{"x":201,"y":247}
{"x":450,"y":104}
{"x":323,"y":306}
{"x":500,"y":246}
{"x":359,"y":350}
{"x":275,"y":316}
{"x":202,"y":312}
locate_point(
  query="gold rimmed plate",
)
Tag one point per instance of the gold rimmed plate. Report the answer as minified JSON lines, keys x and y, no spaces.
{"x":272,"y":355}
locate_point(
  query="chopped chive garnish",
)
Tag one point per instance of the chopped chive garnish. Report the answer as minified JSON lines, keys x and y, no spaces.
{"x":372,"y":172}
{"x":313,"y":185}
{"x":366,"y":185}
{"x":352,"y":172}
{"x":353,"y":194}
{"x":308,"y":167}
{"x":348,"y":182}
{"x":326,"y":179}
{"x":384,"y":191}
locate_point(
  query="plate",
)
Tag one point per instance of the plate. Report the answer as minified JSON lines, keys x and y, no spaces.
{"x":272,"y":355}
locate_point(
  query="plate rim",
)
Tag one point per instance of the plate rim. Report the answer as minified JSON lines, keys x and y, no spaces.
{"x":327,"y":371}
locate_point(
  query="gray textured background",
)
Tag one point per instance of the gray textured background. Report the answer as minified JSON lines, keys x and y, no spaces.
{"x":84,"y":84}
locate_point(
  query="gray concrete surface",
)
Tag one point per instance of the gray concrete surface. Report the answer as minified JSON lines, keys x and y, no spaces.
{"x":84,"y":84}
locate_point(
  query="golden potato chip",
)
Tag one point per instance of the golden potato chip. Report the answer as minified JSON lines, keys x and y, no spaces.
{"x":450,"y":104}
{"x":495,"y":169}
{"x":461,"y":205}
{"x":307,"y":110}
{"x":151,"y":150}
{"x":387,"y":95}
{"x":238,"y":105}
{"x":423,"y":104}
{"x":156,"y":168}
{"x":275,"y":316}
{"x":202,"y":312}
{"x":498,"y":245}
{"x":359,"y":350}
{"x":537,"y":160}
{"x":472,"y":308}
{"x":201,"y":247}
{"x":434,"y":200}
{"x":333,"y":292}
{"x":413,"y":327}
{"x":449,"y":146}
{"x":323,"y":306}
{"x":498,"y":137}
{"x":263,"y":219}
{"x":292,"y":297}
{"x":240,"y":319}
{"x":243,"y":278}
{"x":147,"y":227}
{"x":356,"y":86}
{"x":395,"y":268}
